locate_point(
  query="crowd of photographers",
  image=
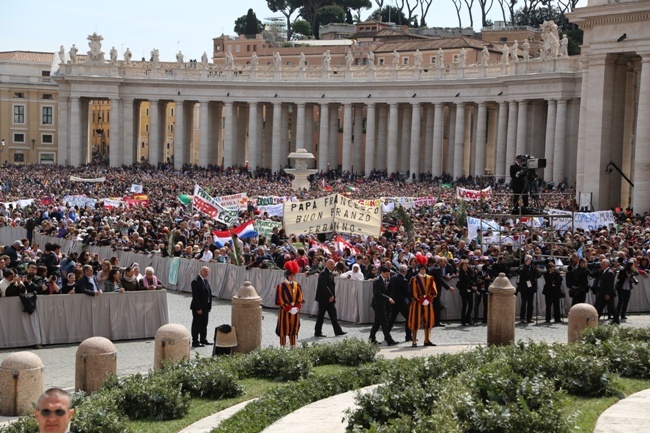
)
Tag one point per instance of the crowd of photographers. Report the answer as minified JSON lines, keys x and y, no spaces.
{"x":438,"y":232}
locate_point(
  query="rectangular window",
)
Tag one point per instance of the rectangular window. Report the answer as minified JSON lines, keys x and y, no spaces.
{"x":406,"y":60}
{"x":48,"y":116}
{"x":456,"y":58}
{"x":46,"y":158}
{"x":19,"y":114}
{"x":45,"y":73}
{"x":19,"y":137}
{"x":19,"y":157}
{"x":254,"y":48}
{"x":146,"y":127}
{"x":433,"y":60}
{"x":381,"y":61}
{"x":20,"y":95}
{"x":48,"y":96}
{"x":47,"y":139}
{"x":146,"y":112}
{"x":248,"y":48}
{"x":237,"y":48}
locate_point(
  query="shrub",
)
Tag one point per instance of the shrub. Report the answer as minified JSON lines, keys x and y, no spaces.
{"x":276,"y":363}
{"x":101,"y":412}
{"x":204,"y":377}
{"x":350,"y":351}
{"x":24,"y":424}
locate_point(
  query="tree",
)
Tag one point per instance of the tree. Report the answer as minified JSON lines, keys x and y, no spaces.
{"x":330,"y":14}
{"x":424,"y":10}
{"x":485,"y":6}
{"x":309,"y":10}
{"x":458,"y":5}
{"x":286,"y":8}
{"x":248,"y":24}
{"x":390,"y":14}
{"x":301,"y":28}
{"x":470,"y":5}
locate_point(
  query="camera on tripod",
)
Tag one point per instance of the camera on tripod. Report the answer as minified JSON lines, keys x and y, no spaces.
{"x":530,"y":164}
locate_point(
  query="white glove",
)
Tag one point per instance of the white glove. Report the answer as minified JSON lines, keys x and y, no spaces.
{"x":294,"y":310}
{"x":426,"y":302}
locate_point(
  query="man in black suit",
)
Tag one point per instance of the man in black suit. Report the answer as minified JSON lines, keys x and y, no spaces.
{"x":518,"y":184}
{"x":606,"y":294}
{"x":440,"y":275}
{"x":87,"y":284}
{"x":326,"y":298}
{"x":201,"y":306}
{"x":400,"y":291}
{"x":380,"y":303}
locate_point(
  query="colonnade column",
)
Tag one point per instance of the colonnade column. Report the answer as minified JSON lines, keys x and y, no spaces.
{"x":179,"y":135}
{"x":276,"y":136}
{"x":370,"y":139}
{"x":357,"y":139}
{"x":323,"y":138}
{"x":550,"y":139}
{"x":284,"y":135}
{"x":114,"y":150}
{"x":299,"y":139}
{"x":451,"y":141}
{"x":382,"y":137}
{"x":560,"y":141}
{"x":128,"y":122}
{"x":308,"y":134}
{"x":391,"y":152}
{"x":405,"y":137}
{"x":154,"y":132}
{"x":333,"y":144}
{"x":459,"y":144}
{"x":502,"y":132}
{"x":641,"y":191}
{"x":522,"y":126}
{"x":253,"y":136}
{"x":511,"y":141}
{"x":346,"y":152}
{"x":229,"y":126}
{"x":428,"y":136}
{"x":438,"y":131}
{"x":204,"y":131}
{"x":481,"y":140}
{"x":414,"y":163}
{"x":63,"y":136}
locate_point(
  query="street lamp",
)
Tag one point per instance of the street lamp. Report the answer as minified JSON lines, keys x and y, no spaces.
{"x":2,"y":148}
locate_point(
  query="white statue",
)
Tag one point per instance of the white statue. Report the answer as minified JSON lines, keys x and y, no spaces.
{"x":113,"y":55}
{"x":179,"y":59}
{"x":73,"y":54}
{"x":564,"y":46}
{"x":155,"y":57}
{"x":462,"y":58}
{"x":526,"y":50}
{"x":395,"y":59}
{"x":514,"y":55}
{"x":204,"y":60}
{"x":95,"y":43}
{"x":230,"y":60}
{"x":349,"y":59}
{"x":417,"y":59}
{"x":277,"y":61}
{"x":440,"y":59}
{"x":254,"y":62}
{"x":127,"y":56}
{"x":551,"y":38}
{"x":485,"y":56}
{"x":505,"y":54}
{"x":62,"y":54}
{"x":302,"y":62}
{"x":327,"y":58}
{"x":371,"y":60}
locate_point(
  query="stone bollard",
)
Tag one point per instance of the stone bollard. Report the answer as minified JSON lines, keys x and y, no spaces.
{"x":247,"y":319}
{"x":502,"y":302}
{"x":96,"y":362}
{"x":21,"y":381}
{"x":581,"y":316}
{"x":172,"y":343}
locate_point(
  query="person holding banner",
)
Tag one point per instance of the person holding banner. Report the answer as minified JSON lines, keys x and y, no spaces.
{"x":289,"y":298}
{"x":326,"y":298}
{"x":423,"y":290}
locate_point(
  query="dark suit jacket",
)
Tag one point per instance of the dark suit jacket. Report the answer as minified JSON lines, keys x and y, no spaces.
{"x":201,"y":295}
{"x":518,"y":183}
{"x":85,"y":286}
{"x":606,"y":285}
{"x":436,"y":273}
{"x":326,"y":286}
{"x":379,"y":294}
{"x":399,"y":289}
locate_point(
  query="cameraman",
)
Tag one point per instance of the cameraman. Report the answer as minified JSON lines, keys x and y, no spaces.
{"x":624,"y":284}
{"x":518,"y":183}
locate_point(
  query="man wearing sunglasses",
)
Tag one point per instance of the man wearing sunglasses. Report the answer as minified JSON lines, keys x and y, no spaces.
{"x":54,"y":411}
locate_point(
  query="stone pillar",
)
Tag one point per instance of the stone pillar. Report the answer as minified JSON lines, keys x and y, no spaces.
{"x":154,"y":132}
{"x":438,"y":130}
{"x":451,"y":141}
{"x":323,"y":138}
{"x":550,"y":139}
{"x":500,"y":162}
{"x":470,"y":137}
{"x":115,"y":150}
{"x":404,"y":135}
{"x":96,"y":360}
{"x":560,"y":142}
{"x":129,"y":121}
{"x":253,"y":151}
{"x":641,"y":191}
{"x":204,"y":134}
{"x":581,"y":316}
{"x":247,"y":319}
{"x":276,"y":148}
{"x":429,"y":112}
{"x":260,"y":135}
{"x":172,"y":344}
{"x":582,"y":127}
{"x":179,"y":135}
{"x":333,"y":144}
{"x":382,"y":137}
{"x":357,"y":139}
{"x":309,"y":130}
{"x":631,"y":85}
{"x":299,"y":139}
{"x":502,"y":303}
{"x":459,"y":144}
{"x":22,"y":375}
{"x":481,"y":139}
{"x":391,"y":151}
{"x":284,"y":135}
{"x":522,"y":127}
{"x":370,"y":139}
{"x":63,"y":131}
{"x":511,"y":141}
{"x":76,"y":152}
{"x":228,"y":134}
{"x":346,"y":151}
{"x":414,"y":162}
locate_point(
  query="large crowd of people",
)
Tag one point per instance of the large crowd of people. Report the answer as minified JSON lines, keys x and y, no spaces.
{"x":170,"y":228}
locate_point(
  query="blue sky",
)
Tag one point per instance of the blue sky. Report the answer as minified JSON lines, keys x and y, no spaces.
{"x":141,"y":25}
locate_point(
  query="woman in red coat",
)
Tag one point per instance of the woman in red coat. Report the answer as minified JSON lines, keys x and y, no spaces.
{"x":289,"y":298}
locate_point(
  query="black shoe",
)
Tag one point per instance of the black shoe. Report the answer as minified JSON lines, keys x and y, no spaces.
{"x":197,"y":344}
{"x":439,"y":325}
{"x":549,"y":320}
{"x":408,"y":339}
{"x":414,"y":344}
{"x":614,"y":323}
{"x":392,"y":342}
{"x":321,"y":335}
{"x":428,"y":343}
{"x":340,"y":333}
{"x":530,"y":321}
{"x":559,"y":321}
{"x":373,"y":340}
{"x":206,"y":343}
{"x":623,"y":317}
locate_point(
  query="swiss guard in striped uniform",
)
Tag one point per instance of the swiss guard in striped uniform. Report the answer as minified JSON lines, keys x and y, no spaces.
{"x":423,"y":289}
{"x":289,"y":298}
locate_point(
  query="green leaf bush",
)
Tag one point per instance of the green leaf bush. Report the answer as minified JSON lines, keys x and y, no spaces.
{"x":350,"y":351}
{"x":276,"y":363}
